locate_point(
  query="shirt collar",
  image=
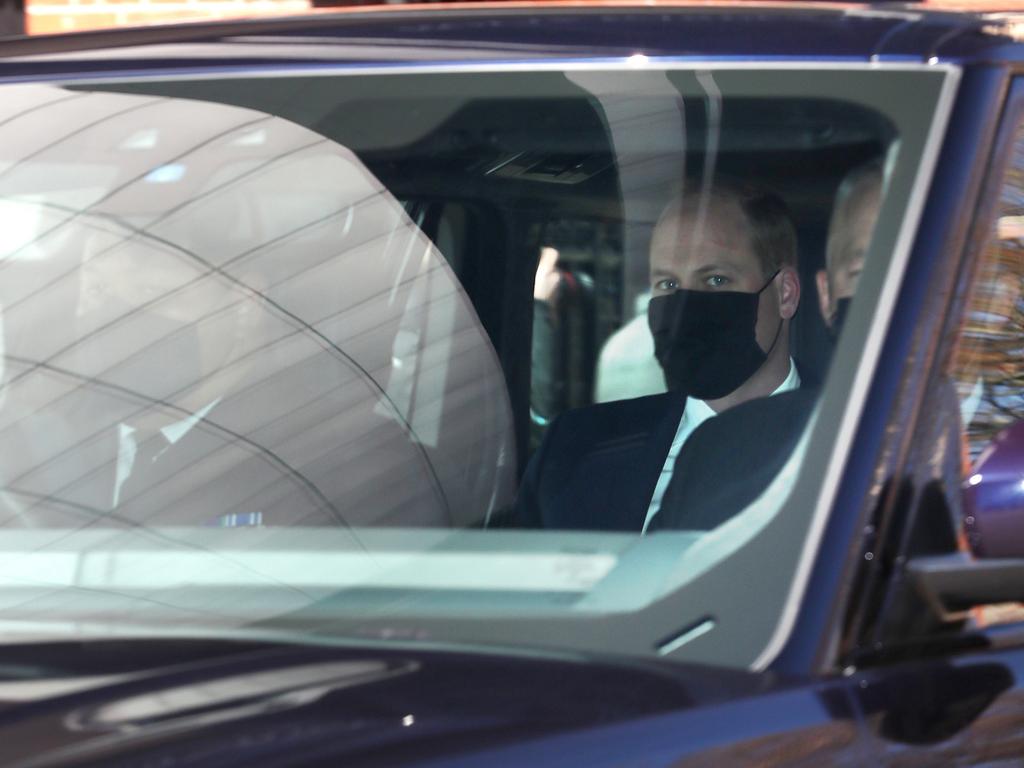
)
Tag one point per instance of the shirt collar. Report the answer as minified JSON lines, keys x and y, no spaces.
{"x":791,"y":382}
{"x":698,"y":411}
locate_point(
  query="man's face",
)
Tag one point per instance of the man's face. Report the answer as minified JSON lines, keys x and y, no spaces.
{"x":713,"y":254}
{"x":848,"y":244}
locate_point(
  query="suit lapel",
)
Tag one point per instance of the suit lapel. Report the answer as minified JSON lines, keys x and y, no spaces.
{"x":651,"y":459}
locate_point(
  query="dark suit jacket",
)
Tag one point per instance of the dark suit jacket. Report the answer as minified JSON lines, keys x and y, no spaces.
{"x":730,"y":460}
{"x":597,"y":467}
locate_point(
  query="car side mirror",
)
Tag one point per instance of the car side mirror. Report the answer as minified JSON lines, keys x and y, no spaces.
{"x":993,"y":497}
{"x":993,"y":572}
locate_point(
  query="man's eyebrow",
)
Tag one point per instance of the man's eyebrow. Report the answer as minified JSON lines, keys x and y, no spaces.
{"x":715,"y":267}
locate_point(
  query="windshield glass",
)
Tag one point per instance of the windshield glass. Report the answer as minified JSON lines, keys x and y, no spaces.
{"x":519,"y":358}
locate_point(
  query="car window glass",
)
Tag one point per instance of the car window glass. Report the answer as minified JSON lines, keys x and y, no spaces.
{"x":218,"y":270}
{"x":314,"y":343}
{"x":989,"y":365}
{"x":592,"y":339}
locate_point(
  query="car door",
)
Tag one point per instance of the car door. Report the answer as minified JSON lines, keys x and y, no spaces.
{"x":937,"y":662}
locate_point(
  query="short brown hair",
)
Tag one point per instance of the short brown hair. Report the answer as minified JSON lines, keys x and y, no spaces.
{"x":772,"y":232}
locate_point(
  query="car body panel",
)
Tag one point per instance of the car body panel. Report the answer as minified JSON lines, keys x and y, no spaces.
{"x":539,"y":33}
{"x":280,"y":704}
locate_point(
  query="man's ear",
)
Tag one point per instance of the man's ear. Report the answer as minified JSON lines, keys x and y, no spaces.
{"x":824,"y":297}
{"x":789,"y":292}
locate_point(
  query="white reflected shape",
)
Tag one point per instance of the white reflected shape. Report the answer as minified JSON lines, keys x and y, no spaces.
{"x":253,"y":138}
{"x":19,"y":224}
{"x":166,"y":174}
{"x":237,"y":689}
{"x":689,"y":636}
{"x":1010,"y":228}
{"x":147,"y":138}
{"x":129,"y":569}
{"x":974,"y":479}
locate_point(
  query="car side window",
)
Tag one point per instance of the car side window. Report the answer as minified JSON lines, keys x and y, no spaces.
{"x":988,"y":367}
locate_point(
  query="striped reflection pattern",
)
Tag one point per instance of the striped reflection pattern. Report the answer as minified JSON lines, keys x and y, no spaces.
{"x":215,"y":317}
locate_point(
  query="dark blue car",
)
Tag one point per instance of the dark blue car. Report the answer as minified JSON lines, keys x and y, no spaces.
{"x":351,"y":411}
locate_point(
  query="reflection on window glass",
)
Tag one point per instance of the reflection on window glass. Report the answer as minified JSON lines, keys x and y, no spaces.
{"x":568,"y":376}
{"x":230,"y":323}
{"x":989,"y":366}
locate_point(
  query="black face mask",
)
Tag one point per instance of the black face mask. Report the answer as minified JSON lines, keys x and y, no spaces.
{"x":706,"y":342}
{"x":838,"y":318}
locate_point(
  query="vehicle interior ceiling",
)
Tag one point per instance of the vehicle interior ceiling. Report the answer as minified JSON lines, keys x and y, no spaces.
{"x":800,"y":150}
{"x":525,"y":172}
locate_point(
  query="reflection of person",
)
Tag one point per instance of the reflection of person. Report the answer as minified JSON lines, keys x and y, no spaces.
{"x":723,"y":298}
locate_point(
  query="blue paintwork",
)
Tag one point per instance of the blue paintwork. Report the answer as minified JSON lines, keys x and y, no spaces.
{"x":994,"y":497}
{"x":510,"y":35}
{"x":427,"y":707}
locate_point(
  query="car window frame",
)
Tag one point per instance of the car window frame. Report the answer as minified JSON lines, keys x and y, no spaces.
{"x":871,"y":634}
{"x":900,"y":225}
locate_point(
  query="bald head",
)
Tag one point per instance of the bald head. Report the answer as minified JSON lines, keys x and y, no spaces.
{"x":858,"y":201}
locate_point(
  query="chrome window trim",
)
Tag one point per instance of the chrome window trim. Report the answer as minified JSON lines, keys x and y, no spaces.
{"x":637,"y":63}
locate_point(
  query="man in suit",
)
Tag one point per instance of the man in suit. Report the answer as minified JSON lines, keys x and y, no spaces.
{"x":724,"y":289}
{"x":731,"y":460}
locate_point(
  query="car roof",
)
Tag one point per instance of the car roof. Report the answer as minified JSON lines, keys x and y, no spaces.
{"x":470,"y":33}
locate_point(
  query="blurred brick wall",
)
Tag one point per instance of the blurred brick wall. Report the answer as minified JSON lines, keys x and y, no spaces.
{"x":46,"y":16}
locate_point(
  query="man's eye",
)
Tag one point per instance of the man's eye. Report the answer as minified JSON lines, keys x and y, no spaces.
{"x":666,"y":284}
{"x":716,"y":281}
